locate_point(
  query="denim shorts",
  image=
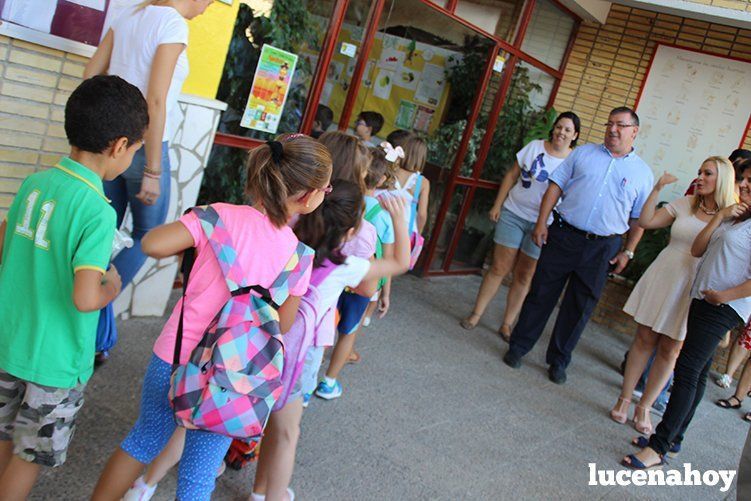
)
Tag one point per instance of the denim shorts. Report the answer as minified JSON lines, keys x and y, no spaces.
{"x":516,"y":233}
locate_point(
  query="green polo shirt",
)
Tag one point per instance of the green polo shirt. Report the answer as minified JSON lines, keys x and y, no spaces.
{"x":59,"y":222}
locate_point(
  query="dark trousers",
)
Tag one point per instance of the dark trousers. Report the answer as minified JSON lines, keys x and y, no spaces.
{"x":707,"y":325}
{"x":567,"y":256}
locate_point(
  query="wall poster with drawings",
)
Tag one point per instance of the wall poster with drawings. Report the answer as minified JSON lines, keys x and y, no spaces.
{"x":692,"y":105}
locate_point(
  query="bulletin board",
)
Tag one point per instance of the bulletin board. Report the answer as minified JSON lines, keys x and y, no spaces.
{"x":78,"y":20}
{"x":405,"y":81}
{"x":692,"y":105}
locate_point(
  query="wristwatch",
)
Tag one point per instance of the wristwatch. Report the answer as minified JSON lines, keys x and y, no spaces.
{"x":628,"y":253}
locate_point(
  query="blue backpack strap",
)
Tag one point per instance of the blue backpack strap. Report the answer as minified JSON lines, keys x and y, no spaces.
{"x":415,"y":202}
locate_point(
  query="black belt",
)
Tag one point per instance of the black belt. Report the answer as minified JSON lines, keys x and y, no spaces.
{"x":561,"y":223}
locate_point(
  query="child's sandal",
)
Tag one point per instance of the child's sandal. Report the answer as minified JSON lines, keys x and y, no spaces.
{"x":747,"y":417}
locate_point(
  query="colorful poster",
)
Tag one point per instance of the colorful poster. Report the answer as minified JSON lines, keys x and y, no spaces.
{"x":406,"y":115}
{"x":423,"y":117}
{"x":269,"y":91}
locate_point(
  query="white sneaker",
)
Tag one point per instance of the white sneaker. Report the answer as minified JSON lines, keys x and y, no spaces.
{"x":140,"y":491}
{"x":724,"y":381}
{"x":262,"y":497}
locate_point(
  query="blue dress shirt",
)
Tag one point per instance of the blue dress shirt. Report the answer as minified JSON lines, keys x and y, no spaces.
{"x":601,"y":192}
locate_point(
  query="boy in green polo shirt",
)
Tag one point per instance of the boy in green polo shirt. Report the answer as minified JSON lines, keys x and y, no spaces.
{"x":54,"y":249}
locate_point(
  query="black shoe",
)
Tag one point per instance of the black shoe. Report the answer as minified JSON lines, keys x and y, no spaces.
{"x":557,"y":374}
{"x":512,"y":360}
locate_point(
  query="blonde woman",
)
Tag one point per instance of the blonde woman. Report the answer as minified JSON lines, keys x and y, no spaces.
{"x":660,"y":300}
{"x":146,"y":47}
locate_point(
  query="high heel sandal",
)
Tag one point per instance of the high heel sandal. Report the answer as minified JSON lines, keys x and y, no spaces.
{"x":505,"y":332}
{"x":643,"y":425}
{"x":466,"y":324}
{"x":619,"y":414}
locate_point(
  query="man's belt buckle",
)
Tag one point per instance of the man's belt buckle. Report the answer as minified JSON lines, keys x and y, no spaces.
{"x":591,"y":236}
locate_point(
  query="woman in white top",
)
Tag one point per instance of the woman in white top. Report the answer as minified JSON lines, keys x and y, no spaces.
{"x":146,"y":47}
{"x":660,"y":300}
{"x":515,"y":214}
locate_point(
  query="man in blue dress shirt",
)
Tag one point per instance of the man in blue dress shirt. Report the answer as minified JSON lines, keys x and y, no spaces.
{"x":602,"y":188}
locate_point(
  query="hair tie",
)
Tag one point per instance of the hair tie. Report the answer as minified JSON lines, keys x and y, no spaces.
{"x":392,"y":153}
{"x":277,"y":151}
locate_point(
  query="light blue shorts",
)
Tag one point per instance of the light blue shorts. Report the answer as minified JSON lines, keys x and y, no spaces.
{"x":516,"y":233}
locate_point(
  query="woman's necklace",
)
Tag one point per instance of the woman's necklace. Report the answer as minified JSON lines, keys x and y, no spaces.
{"x":705,"y":210}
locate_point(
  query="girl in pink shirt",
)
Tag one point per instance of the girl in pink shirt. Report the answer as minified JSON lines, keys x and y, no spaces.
{"x":284,"y":178}
{"x":326,"y":230}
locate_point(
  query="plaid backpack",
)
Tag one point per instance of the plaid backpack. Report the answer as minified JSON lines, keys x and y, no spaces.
{"x":233,"y":377}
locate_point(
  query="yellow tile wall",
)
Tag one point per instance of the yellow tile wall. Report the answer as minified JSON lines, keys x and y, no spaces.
{"x":726,"y":4}
{"x":35,"y":83}
{"x":609,"y":62}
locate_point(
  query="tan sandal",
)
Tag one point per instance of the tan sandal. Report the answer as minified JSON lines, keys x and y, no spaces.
{"x":619,"y":413}
{"x":467,"y":324}
{"x":505,"y":332}
{"x":642,"y":420}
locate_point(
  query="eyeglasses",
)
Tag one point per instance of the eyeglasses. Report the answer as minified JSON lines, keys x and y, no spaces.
{"x":328,"y":189}
{"x":618,"y":125}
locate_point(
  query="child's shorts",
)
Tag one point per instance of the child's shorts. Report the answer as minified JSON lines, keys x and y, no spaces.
{"x":516,"y":233}
{"x":351,"y":310}
{"x":40,"y":420}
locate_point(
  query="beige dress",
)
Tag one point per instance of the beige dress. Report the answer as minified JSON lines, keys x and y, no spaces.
{"x":661,"y":298}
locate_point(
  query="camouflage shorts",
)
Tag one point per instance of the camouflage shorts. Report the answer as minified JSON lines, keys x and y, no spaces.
{"x":40,"y":420}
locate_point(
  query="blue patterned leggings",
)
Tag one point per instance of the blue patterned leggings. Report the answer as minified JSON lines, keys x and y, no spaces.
{"x":204,"y":451}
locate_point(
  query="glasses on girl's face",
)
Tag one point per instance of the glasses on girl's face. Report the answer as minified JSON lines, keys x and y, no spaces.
{"x":328,"y":189}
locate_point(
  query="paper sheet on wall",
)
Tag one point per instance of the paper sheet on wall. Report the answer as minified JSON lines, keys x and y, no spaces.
{"x":423,"y":117}
{"x":431,"y":85}
{"x":383,"y":81}
{"x":36,"y":15}
{"x":391,"y":59}
{"x":269,"y":91}
{"x":406,"y":78}
{"x":693,"y":105}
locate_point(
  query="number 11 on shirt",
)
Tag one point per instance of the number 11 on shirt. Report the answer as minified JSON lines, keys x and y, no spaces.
{"x":24,"y":227}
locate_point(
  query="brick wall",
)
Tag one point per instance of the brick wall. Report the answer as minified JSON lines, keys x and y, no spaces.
{"x":35,"y":83}
{"x":609,"y":62}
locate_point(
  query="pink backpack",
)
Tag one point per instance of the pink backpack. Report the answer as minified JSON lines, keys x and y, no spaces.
{"x":302,"y":335}
{"x":233,"y":377}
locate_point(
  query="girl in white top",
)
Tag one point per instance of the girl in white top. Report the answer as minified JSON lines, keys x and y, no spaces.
{"x":146,"y":46}
{"x":660,"y":300}
{"x":515,"y":214}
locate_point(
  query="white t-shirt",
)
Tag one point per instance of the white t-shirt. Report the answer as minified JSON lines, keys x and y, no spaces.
{"x":137,"y":35}
{"x":536,"y":165}
{"x":348,"y":274}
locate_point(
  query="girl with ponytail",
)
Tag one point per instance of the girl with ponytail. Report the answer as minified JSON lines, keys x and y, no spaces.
{"x":285,"y":178}
{"x":326,"y":230}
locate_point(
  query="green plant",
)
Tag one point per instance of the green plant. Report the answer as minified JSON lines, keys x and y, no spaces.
{"x":464,"y":76}
{"x":540,"y":129}
{"x":514,"y":122}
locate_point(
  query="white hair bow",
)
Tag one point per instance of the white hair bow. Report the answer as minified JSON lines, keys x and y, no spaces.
{"x":392,"y":153}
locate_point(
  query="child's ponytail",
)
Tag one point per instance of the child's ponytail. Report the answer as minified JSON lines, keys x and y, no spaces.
{"x":325,"y":228}
{"x":281,"y":169}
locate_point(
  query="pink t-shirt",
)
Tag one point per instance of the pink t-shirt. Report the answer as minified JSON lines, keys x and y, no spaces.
{"x":363,"y":243}
{"x":263,"y":251}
